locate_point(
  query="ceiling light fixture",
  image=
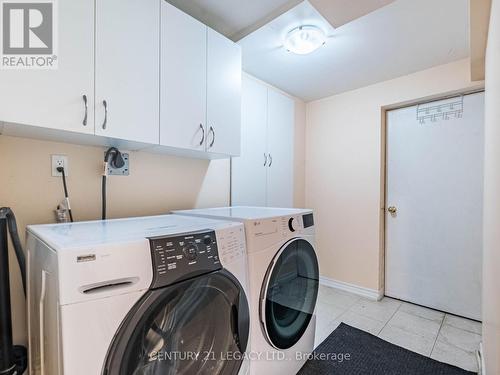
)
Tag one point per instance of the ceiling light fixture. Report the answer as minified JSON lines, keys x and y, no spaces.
{"x":304,"y":39}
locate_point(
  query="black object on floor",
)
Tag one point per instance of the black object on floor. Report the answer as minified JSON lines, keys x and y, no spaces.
{"x":350,"y":351}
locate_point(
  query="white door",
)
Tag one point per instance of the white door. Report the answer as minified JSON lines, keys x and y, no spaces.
{"x":183,"y":94}
{"x":435,"y":184}
{"x":223,"y":95}
{"x":55,"y":98}
{"x":128,"y":69}
{"x":280,"y":130}
{"x":248,"y":171}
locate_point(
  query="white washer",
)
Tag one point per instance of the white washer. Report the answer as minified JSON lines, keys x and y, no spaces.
{"x":138,"y":296}
{"x":284,"y":280}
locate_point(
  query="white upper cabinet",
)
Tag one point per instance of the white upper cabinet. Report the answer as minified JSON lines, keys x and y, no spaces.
{"x":54,"y":99}
{"x":223,"y":95}
{"x":127,"y":69}
{"x":183,"y":93}
{"x":133,"y":72}
{"x":200,"y":86}
{"x":280,"y":136}
{"x":249,"y":171}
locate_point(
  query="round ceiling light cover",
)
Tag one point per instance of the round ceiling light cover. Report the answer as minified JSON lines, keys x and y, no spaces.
{"x":304,"y":39}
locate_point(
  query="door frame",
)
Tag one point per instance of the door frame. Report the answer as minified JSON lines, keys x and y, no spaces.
{"x":383,"y":167}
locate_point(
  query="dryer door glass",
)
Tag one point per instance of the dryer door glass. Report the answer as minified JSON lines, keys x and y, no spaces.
{"x":198,"y":326}
{"x":289,"y":293}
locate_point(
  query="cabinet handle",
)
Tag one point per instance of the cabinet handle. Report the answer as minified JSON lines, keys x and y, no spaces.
{"x":86,"y":110}
{"x":270,"y":160}
{"x":105,"y":104}
{"x":203,"y":134}
{"x":213,"y":138}
{"x":265,"y":159}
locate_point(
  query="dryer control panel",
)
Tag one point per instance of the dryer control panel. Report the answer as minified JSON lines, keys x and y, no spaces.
{"x":263,"y":233}
{"x":183,"y":256}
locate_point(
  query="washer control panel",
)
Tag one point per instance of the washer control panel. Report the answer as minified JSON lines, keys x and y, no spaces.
{"x":180,"y":257}
{"x":231,"y":244}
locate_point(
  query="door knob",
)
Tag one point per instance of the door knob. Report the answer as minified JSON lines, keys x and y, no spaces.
{"x":392,"y":210}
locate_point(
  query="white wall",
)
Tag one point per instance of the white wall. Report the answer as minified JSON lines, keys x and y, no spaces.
{"x":491,"y":252}
{"x":344,"y":171}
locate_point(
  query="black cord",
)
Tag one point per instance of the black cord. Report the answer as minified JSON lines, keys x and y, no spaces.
{"x":103,"y":197}
{"x":65,"y":187}
{"x":114,"y":155}
{"x":66,"y":195}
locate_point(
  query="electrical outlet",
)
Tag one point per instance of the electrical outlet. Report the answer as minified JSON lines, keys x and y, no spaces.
{"x":60,"y":161}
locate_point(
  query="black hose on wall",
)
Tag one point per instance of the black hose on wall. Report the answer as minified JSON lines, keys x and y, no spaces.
{"x":113,"y":156}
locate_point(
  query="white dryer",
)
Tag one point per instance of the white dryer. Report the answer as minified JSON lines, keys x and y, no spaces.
{"x":152,"y":295}
{"x":284,"y":280}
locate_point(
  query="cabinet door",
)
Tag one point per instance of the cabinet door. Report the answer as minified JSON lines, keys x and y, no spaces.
{"x":223,"y":95}
{"x":183,"y":90}
{"x":128,"y":69}
{"x":280,"y":129}
{"x":54,"y":98}
{"x":248,"y":171}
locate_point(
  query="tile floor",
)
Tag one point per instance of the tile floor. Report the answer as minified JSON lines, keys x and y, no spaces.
{"x":444,"y":337}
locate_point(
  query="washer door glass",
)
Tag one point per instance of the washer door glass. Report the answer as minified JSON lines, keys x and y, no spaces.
{"x":290,"y":293}
{"x":198,"y":326}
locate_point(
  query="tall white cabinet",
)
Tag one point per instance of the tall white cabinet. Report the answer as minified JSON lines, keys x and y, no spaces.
{"x":249,"y":171}
{"x":280,"y":129}
{"x":200,"y":86}
{"x":263,"y":174}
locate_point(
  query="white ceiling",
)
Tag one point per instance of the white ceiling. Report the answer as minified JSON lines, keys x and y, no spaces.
{"x":401,"y":38}
{"x":339,"y":12}
{"x":238,"y":18}
{"x":234,"y":18}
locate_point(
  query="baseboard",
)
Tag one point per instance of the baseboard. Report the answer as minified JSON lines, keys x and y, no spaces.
{"x":372,"y":294}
